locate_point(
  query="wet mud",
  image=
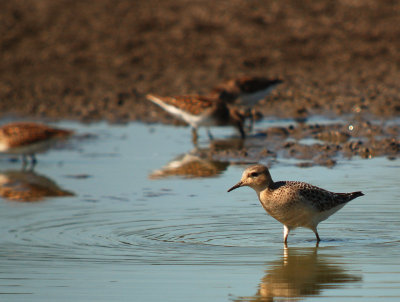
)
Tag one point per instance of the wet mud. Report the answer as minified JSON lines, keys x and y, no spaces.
{"x":93,"y":61}
{"x":314,"y":144}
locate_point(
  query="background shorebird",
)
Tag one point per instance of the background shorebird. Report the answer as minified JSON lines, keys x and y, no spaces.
{"x":200,"y":111}
{"x":245,"y":91}
{"x":294,"y":204}
{"x":27,"y":139}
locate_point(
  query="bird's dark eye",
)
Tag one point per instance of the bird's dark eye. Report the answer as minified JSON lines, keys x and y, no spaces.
{"x":254,"y":174}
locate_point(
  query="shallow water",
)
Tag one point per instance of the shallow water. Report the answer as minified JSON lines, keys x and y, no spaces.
{"x":119,"y":223}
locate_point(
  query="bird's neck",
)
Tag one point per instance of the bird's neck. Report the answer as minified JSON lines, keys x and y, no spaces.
{"x":261,"y":189}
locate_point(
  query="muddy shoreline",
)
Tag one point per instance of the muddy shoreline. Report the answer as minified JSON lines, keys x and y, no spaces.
{"x":95,"y":61}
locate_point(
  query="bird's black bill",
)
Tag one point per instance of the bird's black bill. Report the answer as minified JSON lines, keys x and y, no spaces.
{"x":239,"y":184}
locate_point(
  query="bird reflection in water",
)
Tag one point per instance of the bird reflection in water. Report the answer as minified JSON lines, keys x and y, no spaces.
{"x":28,"y":186}
{"x":199,"y":162}
{"x":298,"y":274}
{"x":27,"y":139}
{"x":190,"y":166}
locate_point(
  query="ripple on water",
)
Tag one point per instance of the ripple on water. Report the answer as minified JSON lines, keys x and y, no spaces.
{"x":117,"y":236}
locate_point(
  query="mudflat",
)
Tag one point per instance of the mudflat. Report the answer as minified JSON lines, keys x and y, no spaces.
{"x":95,"y":60}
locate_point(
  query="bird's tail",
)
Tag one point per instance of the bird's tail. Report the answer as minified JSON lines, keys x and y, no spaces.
{"x":356,"y":194}
{"x":154,"y":98}
{"x":350,"y":196}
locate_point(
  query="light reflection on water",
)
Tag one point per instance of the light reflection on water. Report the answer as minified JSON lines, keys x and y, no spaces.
{"x":130,"y":231}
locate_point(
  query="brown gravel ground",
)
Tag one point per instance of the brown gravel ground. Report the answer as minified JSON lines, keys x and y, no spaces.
{"x":94,"y":60}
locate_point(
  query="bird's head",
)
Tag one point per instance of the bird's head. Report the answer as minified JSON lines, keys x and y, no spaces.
{"x":256,"y":177}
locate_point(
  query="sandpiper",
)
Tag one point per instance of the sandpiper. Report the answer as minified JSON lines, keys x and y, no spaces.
{"x":199,"y":111}
{"x":294,"y":204}
{"x":245,"y":91}
{"x":27,"y":139}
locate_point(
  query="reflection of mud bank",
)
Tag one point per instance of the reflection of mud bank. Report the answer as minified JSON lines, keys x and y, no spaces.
{"x":315,"y":144}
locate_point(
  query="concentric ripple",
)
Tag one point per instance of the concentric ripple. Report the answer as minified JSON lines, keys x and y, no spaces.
{"x":117,"y":236}
{"x":82,"y":234}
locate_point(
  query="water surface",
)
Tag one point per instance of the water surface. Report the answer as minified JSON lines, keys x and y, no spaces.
{"x":123,"y":215}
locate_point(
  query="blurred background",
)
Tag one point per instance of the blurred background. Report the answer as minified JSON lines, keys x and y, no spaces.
{"x":95,"y":59}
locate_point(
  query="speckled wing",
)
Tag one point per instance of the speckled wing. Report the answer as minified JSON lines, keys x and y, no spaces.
{"x":193,"y":104}
{"x":322,"y":200}
{"x":21,"y":134}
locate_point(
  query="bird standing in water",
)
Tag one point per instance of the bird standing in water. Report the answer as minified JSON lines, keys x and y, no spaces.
{"x":294,"y":204}
{"x":27,"y":139}
{"x":199,"y":111}
{"x":245,"y":92}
